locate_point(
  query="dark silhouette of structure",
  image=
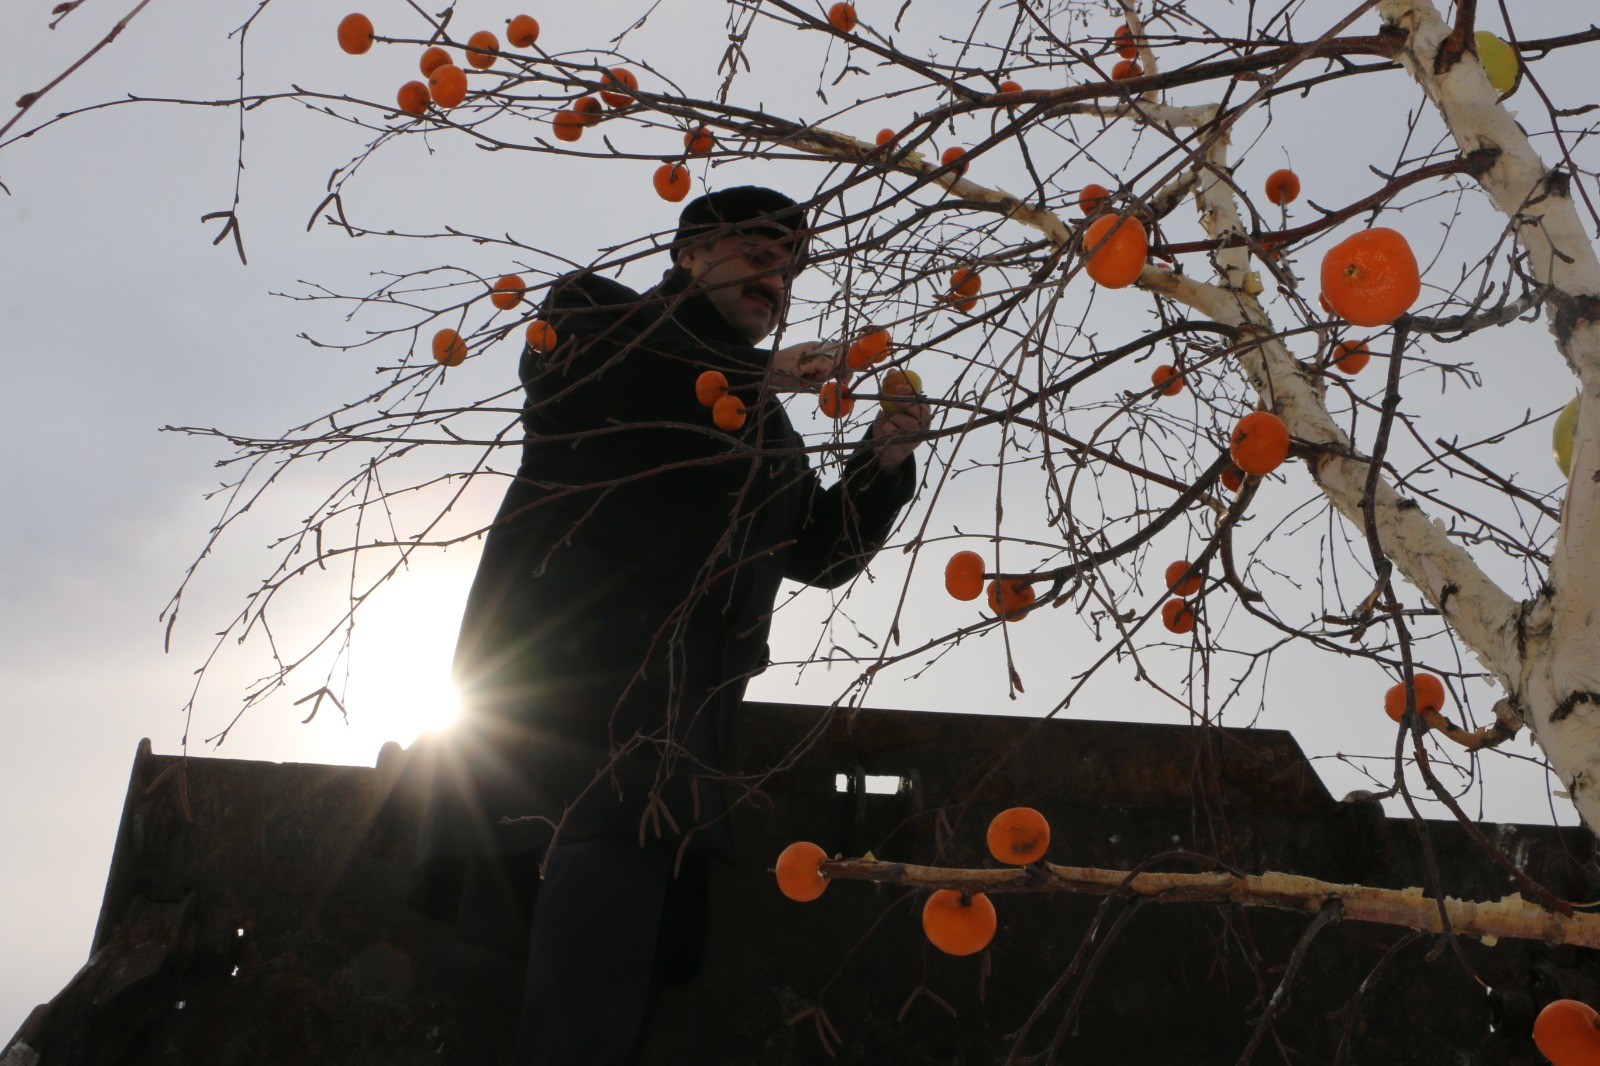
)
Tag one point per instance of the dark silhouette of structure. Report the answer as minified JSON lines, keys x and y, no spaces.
{"x":272,"y":928}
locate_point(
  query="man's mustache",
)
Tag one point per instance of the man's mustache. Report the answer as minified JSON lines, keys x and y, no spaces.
{"x":763,"y":294}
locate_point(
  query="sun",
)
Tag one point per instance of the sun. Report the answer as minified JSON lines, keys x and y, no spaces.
{"x":403,"y":693}
{"x":399,"y":684}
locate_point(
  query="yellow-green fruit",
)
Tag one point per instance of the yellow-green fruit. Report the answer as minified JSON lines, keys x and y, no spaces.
{"x":1561,"y":436}
{"x":898,"y":382}
{"x":1499,"y":61}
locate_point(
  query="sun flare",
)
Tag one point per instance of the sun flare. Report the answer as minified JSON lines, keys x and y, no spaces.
{"x":399,"y":684}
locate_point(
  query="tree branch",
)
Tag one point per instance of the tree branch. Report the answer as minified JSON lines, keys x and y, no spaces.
{"x":1511,"y":916}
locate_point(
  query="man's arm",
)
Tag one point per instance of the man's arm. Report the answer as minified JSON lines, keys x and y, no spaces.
{"x":845,"y":524}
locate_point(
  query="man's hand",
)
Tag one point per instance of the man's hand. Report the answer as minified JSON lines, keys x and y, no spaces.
{"x":804,"y":366}
{"x":889,"y":433}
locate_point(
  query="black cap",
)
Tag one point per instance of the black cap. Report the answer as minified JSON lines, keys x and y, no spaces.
{"x":742,"y":209}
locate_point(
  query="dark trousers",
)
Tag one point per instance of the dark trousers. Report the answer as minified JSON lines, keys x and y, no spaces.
{"x":610,"y":925}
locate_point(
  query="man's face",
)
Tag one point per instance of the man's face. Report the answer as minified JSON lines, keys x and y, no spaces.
{"x":746,"y":277}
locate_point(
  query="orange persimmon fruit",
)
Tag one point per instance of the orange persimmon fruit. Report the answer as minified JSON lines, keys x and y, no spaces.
{"x":588,"y":109}
{"x":867,"y":349}
{"x":412,"y":98}
{"x":952,"y":157}
{"x":449,"y":348}
{"x":522,"y":31}
{"x":1010,"y":87}
{"x":432,"y":59}
{"x":355,"y":33}
{"x":965,"y":281}
{"x":1011,"y":598}
{"x":541,"y":335}
{"x":710,"y":387}
{"x":1567,"y":1032}
{"x":885,"y":135}
{"x":1125,"y":69}
{"x":1166,"y":379}
{"x":1019,"y":836}
{"x":567,"y":125}
{"x":1430,"y":697}
{"x":617,"y":85}
{"x":898,"y":381}
{"x":800,"y":876}
{"x":1350,"y":357}
{"x":835,"y":400}
{"x":1283,"y":187}
{"x":447,"y":85}
{"x":963,"y":575}
{"x":507,"y":292}
{"x":1177,"y":616}
{"x":1232,"y":478}
{"x":1091,"y":196}
{"x":842,"y":17}
{"x":672,"y":182}
{"x":698,"y":141}
{"x":1126,"y":46}
{"x":728,"y":413}
{"x":958,"y":926}
{"x":965,"y":284}
{"x":1117,"y":249}
{"x":1371,"y":278}
{"x":1260,"y":443}
{"x":1181,"y":581}
{"x":480,"y":49}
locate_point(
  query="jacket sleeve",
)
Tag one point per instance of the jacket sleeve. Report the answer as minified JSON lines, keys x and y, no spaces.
{"x":618,"y":361}
{"x":844,"y":525}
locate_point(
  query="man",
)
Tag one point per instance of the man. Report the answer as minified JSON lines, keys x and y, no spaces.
{"x":623,"y":603}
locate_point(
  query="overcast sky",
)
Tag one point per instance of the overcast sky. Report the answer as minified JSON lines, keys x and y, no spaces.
{"x":120,"y":317}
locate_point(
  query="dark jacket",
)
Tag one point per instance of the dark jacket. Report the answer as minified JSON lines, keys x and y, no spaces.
{"x":626,"y":587}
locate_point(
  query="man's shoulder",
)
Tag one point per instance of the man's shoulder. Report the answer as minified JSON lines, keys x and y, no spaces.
{"x":584,"y":288}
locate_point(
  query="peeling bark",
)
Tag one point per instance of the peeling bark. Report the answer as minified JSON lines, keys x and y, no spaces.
{"x":1511,"y":916}
{"x":1560,"y":639}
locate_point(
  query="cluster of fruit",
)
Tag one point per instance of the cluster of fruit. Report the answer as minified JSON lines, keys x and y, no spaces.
{"x":955,"y":922}
{"x":728,"y":412}
{"x":1184,"y":582}
{"x":1116,"y":245}
{"x":1010,"y":598}
{"x":450,"y":348}
{"x":446,"y":86}
{"x":836,"y":400}
{"x":1370,"y":278}
{"x":965,"y":284}
{"x":1128,"y":48}
{"x":617,"y":88}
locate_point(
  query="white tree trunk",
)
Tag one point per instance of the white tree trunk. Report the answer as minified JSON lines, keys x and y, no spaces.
{"x":1558,"y":685}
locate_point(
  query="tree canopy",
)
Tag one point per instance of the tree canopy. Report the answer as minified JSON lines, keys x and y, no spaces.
{"x":1240,"y":324}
